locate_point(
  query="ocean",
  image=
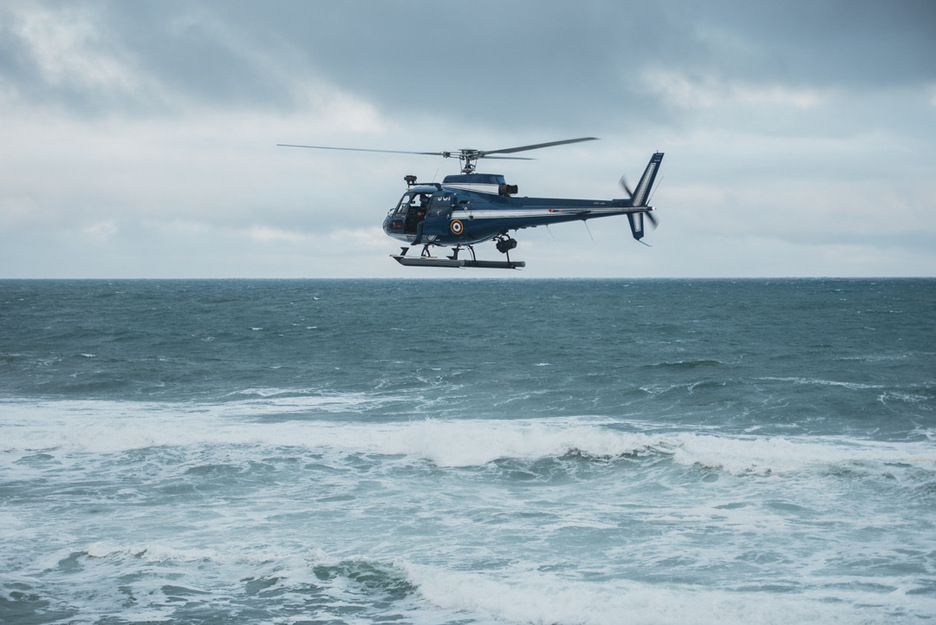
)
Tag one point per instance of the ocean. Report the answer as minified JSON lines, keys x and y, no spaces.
{"x":477,"y":451}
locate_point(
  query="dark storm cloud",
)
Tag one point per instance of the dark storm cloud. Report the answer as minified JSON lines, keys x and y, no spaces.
{"x":837,"y":43}
{"x":170,"y":54}
{"x":537,"y":59}
{"x":525,"y":63}
{"x":204,"y":50}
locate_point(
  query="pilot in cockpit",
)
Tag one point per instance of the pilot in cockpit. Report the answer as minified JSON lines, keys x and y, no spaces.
{"x":420,"y":212}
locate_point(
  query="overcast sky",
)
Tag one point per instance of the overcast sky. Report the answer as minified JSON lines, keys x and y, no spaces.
{"x":139,"y":138}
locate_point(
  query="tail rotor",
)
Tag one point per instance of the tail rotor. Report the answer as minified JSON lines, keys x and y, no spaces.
{"x":630,"y":196}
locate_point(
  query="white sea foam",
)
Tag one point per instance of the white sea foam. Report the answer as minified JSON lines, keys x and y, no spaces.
{"x":104,"y":427}
{"x":151,"y":553}
{"x":534,"y":597}
{"x":764,"y":455}
{"x":822,"y":382}
{"x":474,"y":443}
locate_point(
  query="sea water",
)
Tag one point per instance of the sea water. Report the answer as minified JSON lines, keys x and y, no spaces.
{"x":468,"y":451}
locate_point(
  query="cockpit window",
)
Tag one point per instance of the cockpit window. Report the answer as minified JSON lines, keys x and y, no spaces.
{"x":404,"y":203}
{"x":416,"y":200}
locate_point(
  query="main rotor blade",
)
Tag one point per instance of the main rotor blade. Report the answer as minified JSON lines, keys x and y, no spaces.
{"x":467,"y":155}
{"x":535,"y":146}
{"x":323,"y":147}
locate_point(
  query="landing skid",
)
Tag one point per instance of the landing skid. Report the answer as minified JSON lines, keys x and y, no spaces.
{"x":424,"y":260}
{"x":432,"y":261}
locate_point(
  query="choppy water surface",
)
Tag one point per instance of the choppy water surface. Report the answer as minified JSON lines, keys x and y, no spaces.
{"x":481,"y":451}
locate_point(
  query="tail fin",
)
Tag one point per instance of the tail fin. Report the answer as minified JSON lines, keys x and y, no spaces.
{"x":636,"y":224}
{"x":646,"y":181}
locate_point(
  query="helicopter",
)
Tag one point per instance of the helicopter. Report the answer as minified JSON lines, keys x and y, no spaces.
{"x":470,"y":208}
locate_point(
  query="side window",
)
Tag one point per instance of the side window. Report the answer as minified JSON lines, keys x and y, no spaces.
{"x":440,"y":205}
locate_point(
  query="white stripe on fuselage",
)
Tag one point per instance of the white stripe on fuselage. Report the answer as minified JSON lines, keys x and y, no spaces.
{"x":519,"y":213}
{"x":477,"y":187}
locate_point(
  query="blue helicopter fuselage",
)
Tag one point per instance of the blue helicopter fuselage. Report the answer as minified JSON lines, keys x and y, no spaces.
{"x":466,"y":209}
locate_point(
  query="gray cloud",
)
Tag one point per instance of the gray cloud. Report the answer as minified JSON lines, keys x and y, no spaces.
{"x":134,"y":121}
{"x":518,"y":63}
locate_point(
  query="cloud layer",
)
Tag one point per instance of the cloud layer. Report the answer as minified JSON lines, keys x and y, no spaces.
{"x":139,"y":138}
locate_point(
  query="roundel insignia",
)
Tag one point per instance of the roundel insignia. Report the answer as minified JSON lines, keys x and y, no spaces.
{"x":456,"y":227}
